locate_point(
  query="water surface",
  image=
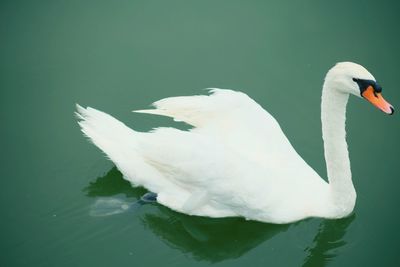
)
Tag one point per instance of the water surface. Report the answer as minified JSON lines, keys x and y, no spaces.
{"x":122,"y":55}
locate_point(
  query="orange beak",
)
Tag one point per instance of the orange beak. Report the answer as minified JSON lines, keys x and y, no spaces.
{"x":377,"y":100}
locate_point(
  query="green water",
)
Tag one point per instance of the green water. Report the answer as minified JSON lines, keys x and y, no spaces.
{"x":123,"y":55}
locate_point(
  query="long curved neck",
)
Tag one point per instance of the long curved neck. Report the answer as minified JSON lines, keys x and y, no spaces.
{"x":333,"y":116}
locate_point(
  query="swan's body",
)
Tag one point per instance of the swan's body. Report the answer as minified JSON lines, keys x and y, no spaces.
{"x":236,"y":161}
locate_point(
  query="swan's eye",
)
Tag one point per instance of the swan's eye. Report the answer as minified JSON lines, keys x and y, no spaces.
{"x":365,"y":84}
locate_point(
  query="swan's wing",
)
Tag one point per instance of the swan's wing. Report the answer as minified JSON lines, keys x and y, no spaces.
{"x":202,"y":110}
{"x":232,"y":117}
{"x":201,"y":175}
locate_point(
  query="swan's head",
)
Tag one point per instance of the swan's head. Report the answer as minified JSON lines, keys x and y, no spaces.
{"x":352,"y":78}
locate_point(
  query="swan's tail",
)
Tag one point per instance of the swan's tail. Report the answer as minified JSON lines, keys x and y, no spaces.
{"x":112,"y":136}
{"x":120,"y":144}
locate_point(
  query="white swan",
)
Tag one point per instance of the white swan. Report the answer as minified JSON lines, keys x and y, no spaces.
{"x":236,"y":161}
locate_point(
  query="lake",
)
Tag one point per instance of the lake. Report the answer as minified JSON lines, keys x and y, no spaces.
{"x":118,"y":56}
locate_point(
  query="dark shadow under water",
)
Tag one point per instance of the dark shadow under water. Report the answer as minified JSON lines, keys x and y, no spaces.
{"x":215,"y":240}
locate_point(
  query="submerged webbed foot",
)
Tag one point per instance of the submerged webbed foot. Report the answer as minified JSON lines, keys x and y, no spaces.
{"x":149,"y":197}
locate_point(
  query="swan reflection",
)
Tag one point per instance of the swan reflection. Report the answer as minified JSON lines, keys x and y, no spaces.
{"x":210,"y":239}
{"x":327,"y":241}
{"x":214,"y":240}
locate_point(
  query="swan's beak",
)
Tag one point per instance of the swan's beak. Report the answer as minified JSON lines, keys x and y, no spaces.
{"x":377,"y":100}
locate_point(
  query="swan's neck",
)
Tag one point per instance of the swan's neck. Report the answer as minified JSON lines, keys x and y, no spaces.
{"x":333,"y":116}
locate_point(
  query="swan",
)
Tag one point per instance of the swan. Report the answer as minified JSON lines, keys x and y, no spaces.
{"x":236,"y":160}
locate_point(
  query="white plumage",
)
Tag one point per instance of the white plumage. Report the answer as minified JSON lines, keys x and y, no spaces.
{"x":236,"y":161}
